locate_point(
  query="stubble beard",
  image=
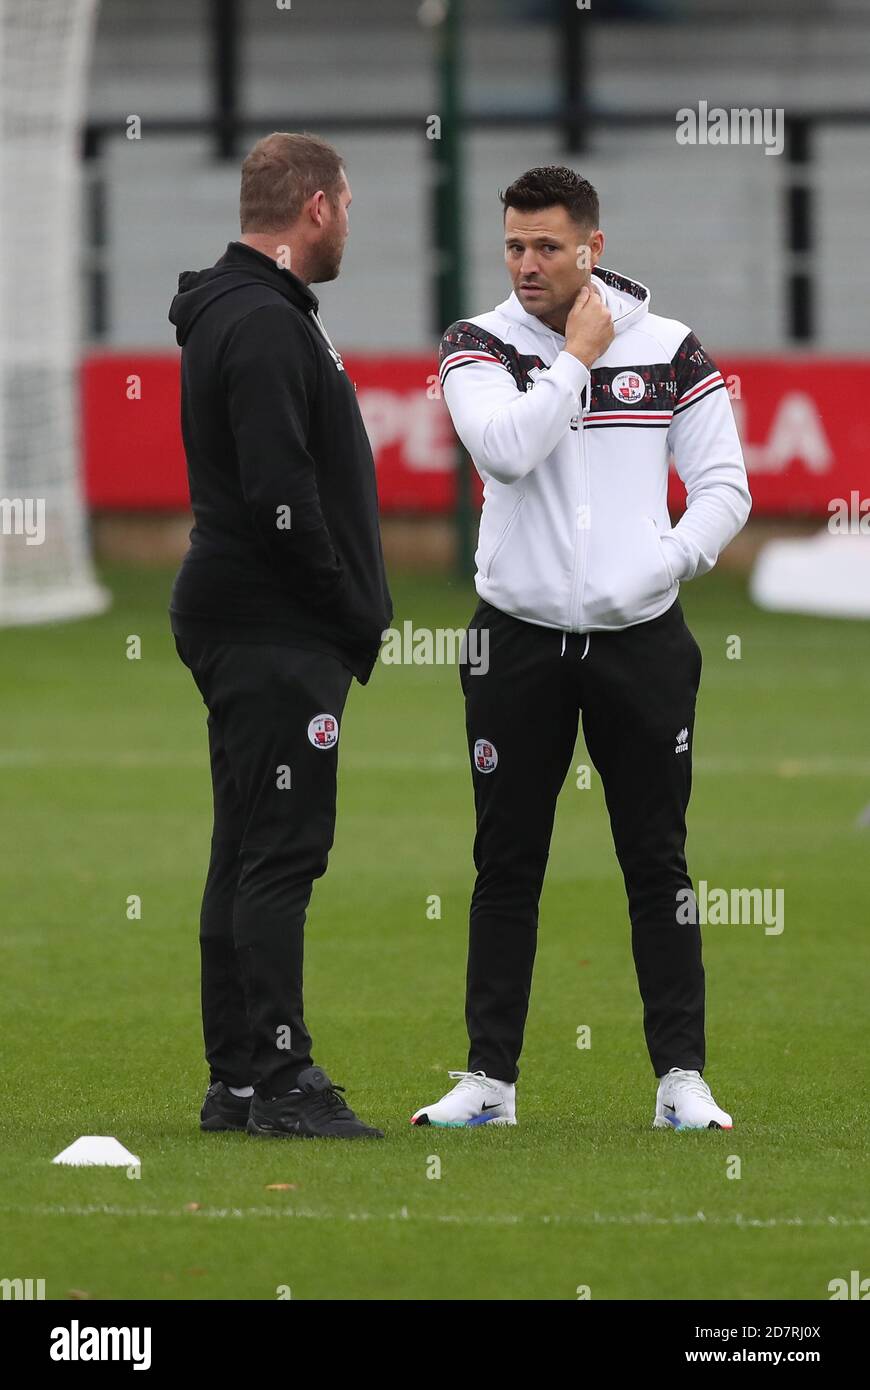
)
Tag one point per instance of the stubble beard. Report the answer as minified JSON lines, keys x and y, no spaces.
{"x":328,"y":263}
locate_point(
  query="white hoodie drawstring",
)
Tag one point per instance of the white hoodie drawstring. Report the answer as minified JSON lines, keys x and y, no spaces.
{"x":332,"y":348}
{"x":585,"y":649}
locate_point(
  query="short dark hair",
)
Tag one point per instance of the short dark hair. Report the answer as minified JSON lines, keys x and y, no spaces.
{"x":550,"y":186}
{"x":280,"y":174}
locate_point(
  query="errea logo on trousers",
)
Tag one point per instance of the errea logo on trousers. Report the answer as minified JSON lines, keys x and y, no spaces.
{"x":682,"y":741}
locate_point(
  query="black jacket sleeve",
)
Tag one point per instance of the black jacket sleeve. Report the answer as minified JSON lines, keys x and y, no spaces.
{"x":269,"y":373}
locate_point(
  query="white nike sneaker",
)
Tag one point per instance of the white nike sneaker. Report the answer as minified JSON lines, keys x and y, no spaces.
{"x":476,"y":1100}
{"x":683,"y":1101}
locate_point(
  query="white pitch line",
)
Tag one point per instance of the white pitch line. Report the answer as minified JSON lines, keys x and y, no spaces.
{"x":440,"y":1218}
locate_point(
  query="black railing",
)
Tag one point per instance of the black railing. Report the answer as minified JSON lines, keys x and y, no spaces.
{"x":227,"y":129}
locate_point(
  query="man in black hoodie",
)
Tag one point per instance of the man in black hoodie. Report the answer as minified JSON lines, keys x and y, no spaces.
{"x":279,"y":602}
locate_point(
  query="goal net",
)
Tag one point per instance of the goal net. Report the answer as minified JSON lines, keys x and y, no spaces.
{"x":45,"y":564}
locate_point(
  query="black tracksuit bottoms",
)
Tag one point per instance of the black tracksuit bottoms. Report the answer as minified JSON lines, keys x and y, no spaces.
{"x":274,"y":715}
{"x":635,"y":690}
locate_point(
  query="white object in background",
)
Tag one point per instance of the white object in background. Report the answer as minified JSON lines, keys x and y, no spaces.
{"x":46,"y":571}
{"x":827,"y":574}
{"x":96,"y":1150}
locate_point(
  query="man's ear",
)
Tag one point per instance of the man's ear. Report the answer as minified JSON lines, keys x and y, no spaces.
{"x":316,"y":204}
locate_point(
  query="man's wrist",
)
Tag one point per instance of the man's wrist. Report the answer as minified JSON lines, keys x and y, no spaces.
{"x":676,"y":556}
{"x":572,"y":371}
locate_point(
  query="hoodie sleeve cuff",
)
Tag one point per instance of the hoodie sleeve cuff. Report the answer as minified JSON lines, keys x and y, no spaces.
{"x":571,"y":372}
{"x":677,"y":558}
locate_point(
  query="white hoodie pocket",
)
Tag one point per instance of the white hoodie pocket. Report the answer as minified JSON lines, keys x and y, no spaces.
{"x":629,"y":578}
{"x":502,"y":537}
{"x":663,"y":553}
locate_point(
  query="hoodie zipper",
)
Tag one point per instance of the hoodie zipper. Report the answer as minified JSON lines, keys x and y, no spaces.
{"x":581,"y":539}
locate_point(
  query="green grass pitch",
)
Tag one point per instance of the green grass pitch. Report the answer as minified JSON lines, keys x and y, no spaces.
{"x":106,"y":794}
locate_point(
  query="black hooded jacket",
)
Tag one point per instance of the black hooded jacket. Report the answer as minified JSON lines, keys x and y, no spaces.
{"x":286,"y":544}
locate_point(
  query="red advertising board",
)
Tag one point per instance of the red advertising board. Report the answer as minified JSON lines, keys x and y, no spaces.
{"x":805,"y":425}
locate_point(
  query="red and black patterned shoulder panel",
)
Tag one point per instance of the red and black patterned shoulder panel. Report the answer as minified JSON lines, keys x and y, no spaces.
{"x":695,"y":373}
{"x":465,"y":343}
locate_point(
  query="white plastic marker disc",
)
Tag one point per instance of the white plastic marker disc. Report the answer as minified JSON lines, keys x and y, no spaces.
{"x":96,"y":1150}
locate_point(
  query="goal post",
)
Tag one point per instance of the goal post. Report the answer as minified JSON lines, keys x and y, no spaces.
{"x":46,"y":571}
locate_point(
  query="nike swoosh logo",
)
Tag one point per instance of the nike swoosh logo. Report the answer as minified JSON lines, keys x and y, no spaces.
{"x":491,"y":1107}
{"x":672,"y":1108}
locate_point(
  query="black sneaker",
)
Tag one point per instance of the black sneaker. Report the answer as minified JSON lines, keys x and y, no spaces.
{"x":315,"y":1111}
{"x":222,"y":1110}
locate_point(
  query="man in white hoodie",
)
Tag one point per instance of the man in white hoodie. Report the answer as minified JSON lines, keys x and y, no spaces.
{"x":570,"y":397}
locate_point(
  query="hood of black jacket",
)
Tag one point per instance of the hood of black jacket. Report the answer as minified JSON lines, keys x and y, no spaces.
{"x":238,"y":267}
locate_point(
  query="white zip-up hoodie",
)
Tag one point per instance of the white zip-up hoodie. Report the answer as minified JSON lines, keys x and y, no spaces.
{"x":575,"y":532}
